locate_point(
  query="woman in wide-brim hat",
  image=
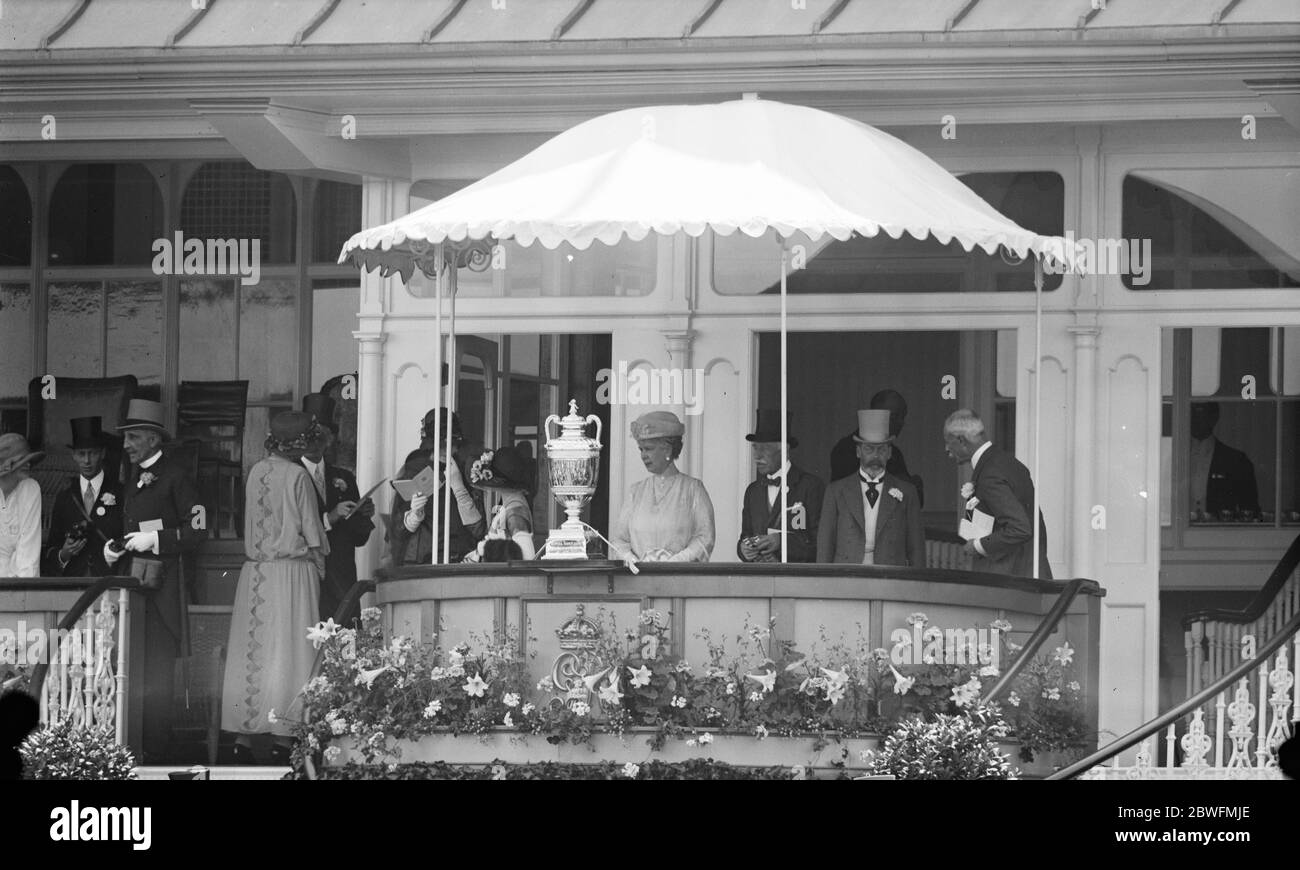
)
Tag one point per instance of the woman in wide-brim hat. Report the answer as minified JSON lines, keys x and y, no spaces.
{"x":508,"y":473}
{"x":20,"y":509}
{"x":269,"y":657}
{"x":669,"y":516}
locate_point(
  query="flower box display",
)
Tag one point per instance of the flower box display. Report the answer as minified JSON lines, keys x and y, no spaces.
{"x":629,"y":700}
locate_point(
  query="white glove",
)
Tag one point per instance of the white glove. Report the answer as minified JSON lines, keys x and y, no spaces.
{"x":110,"y":555}
{"x":415,"y":515}
{"x":454,"y":479}
{"x":142,"y":542}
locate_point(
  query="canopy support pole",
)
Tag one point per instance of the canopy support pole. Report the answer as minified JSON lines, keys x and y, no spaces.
{"x":437,"y":380}
{"x":785,"y":436}
{"x":452,"y":369}
{"x":1038,"y":395}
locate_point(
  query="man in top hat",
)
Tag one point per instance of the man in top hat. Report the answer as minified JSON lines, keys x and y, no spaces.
{"x":410,"y":530}
{"x":760,"y":519}
{"x":162,"y":519}
{"x":1002,"y":488}
{"x":20,"y":509}
{"x":347,"y":525}
{"x":88,"y":512}
{"x":873,"y":517}
{"x":844,"y":455}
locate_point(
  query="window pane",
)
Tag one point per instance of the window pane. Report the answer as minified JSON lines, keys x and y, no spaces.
{"x":337,"y":216}
{"x":1291,"y":361}
{"x":135,"y":330}
{"x":525,"y":354}
{"x":1290,"y":477}
{"x":268,"y":339}
{"x":1035,"y":200}
{"x":1244,"y":360}
{"x":333,"y":319}
{"x":15,"y":220}
{"x":234,"y":200}
{"x":625,"y":269}
{"x":1233,"y":474}
{"x":512,"y":271}
{"x":105,"y":214}
{"x":75,"y":346}
{"x":15,"y":341}
{"x":1192,"y":249}
{"x":208,"y":329}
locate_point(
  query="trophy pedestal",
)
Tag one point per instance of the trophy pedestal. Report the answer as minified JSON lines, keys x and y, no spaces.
{"x":565,"y":543}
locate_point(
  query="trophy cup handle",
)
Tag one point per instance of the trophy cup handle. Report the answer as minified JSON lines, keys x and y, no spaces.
{"x":592,"y":418}
{"x":546,"y":426}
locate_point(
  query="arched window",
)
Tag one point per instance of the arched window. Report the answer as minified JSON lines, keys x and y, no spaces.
{"x":105,"y":214}
{"x":1224,"y":229}
{"x":231,"y":199}
{"x":336,"y":215}
{"x":15,"y":220}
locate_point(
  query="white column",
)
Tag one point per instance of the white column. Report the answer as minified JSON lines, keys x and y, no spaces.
{"x":382,"y":200}
{"x":678,"y":345}
{"x":370,"y":458}
{"x":1082,"y":563}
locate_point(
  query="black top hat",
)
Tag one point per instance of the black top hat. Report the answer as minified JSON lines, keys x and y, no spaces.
{"x":321,"y":407}
{"x":510,"y":469}
{"x":88,"y":434}
{"x":767,"y":427}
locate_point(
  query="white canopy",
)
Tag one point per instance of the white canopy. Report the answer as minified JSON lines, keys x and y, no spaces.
{"x":748,"y":165}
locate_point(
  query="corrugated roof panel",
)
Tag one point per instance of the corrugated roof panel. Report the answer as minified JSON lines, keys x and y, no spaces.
{"x":505,"y":21}
{"x":381,"y":22}
{"x":745,"y":18}
{"x":250,"y":22}
{"x":1264,"y":11}
{"x":1010,"y":15}
{"x":891,"y":16}
{"x":635,"y":19}
{"x":125,"y":24}
{"x":26,"y":22}
{"x":1169,"y":12}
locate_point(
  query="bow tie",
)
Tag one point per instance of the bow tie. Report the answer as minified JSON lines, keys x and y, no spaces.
{"x":774,"y":480}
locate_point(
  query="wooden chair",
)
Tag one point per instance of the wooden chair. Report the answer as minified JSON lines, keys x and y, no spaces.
{"x":210,"y":414}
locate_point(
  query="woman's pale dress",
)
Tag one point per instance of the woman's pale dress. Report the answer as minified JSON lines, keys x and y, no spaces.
{"x":269,"y":657}
{"x":667,"y":517}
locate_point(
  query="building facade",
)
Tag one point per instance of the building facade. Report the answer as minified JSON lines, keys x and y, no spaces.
{"x":1168,"y":135}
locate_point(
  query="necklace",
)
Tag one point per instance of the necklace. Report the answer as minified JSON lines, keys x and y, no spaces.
{"x":657,"y":492}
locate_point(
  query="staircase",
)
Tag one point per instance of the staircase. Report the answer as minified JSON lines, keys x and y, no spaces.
{"x":1243,"y":700}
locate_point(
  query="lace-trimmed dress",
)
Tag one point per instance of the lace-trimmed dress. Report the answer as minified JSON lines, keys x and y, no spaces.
{"x":269,"y":657}
{"x":667,"y":517}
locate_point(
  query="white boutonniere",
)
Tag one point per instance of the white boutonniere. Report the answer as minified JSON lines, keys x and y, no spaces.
{"x":971,"y":502}
{"x":146,"y":479}
{"x":967,"y":490}
{"x":896,"y":493}
{"x":340,"y":484}
{"x":108,"y":499}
